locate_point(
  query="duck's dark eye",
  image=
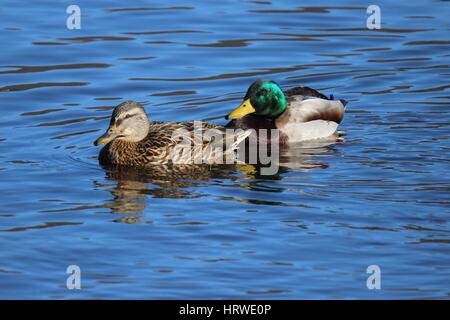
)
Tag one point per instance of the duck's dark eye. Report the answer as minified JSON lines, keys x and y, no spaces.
{"x":262,"y":92}
{"x":119,"y":121}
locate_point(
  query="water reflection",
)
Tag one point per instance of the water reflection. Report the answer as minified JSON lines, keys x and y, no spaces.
{"x":133,"y":185}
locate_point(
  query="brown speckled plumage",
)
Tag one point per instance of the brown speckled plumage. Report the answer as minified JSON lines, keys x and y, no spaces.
{"x":160,"y":145}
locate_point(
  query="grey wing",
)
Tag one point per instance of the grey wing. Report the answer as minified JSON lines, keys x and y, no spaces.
{"x":304,"y":109}
{"x":308,"y":93}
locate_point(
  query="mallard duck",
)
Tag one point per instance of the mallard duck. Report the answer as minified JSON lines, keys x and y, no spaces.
{"x":299,"y":113}
{"x":132,"y":140}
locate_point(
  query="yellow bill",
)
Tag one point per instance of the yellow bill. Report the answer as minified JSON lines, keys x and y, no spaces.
{"x":105,"y":138}
{"x":244,"y":109}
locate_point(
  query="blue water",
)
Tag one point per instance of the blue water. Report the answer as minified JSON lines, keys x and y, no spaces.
{"x":380,"y":197}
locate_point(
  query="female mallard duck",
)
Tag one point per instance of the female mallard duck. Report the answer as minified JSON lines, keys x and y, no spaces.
{"x":133,"y":140}
{"x":299,"y":113}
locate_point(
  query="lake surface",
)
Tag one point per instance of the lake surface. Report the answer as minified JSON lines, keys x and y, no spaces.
{"x":380,"y":197}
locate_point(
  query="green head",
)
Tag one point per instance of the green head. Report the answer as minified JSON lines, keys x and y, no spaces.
{"x":263,"y":98}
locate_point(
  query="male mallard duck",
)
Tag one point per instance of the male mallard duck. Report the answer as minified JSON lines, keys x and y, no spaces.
{"x":133,"y":140}
{"x":299,"y":113}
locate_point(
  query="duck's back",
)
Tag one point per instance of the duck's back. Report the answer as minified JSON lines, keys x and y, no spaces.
{"x":171,"y":142}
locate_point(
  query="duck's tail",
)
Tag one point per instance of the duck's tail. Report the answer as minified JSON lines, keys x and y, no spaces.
{"x":344,"y":102}
{"x":240,"y":135}
{"x":228,"y":143}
